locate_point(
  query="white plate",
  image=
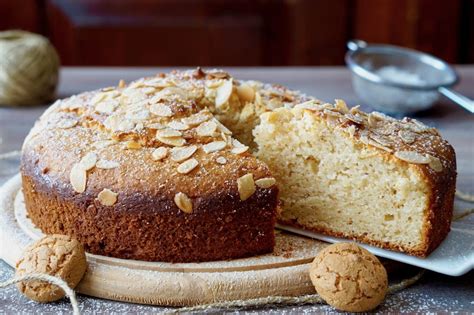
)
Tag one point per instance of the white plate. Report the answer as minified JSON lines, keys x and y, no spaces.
{"x":454,"y":257}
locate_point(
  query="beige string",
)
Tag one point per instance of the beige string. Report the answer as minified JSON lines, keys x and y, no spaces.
{"x":463,"y":214}
{"x":464,"y":196}
{"x":48,"y":278}
{"x":9,"y":155}
{"x":289,"y":300}
{"x":29,"y":68}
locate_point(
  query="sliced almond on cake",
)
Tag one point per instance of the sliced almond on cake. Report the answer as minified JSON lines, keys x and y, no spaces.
{"x":106,"y":164}
{"x":88,"y":161}
{"x":221,"y":160}
{"x":66,"y":123}
{"x":223,"y":93}
{"x":177,"y":125}
{"x":196,"y":119}
{"x":246,"y":186}
{"x":159,"y":154}
{"x":407,"y":136}
{"x":78,"y":178}
{"x":207,"y":128}
{"x":168,"y":133}
{"x":435,"y":164}
{"x":187,"y":166}
{"x":179,"y":154}
{"x":132,"y":145}
{"x":412,"y":157}
{"x":161,"y":110}
{"x":107,"y":197}
{"x":183,"y":202}
{"x":266,"y":182}
{"x":214,"y":146}
{"x":246,"y":93}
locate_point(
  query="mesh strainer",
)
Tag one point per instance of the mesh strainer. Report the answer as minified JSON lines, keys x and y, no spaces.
{"x":400,"y":81}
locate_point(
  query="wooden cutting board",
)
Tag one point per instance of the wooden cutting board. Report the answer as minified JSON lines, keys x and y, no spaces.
{"x":284,"y":272}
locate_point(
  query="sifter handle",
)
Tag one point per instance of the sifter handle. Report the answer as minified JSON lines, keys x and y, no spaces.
{"x":458,"y":98}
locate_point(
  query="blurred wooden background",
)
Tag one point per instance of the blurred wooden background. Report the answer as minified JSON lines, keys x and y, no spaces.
{"x":240,"y":32}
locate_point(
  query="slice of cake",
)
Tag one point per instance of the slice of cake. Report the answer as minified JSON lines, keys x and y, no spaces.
{"x":367,"y":177}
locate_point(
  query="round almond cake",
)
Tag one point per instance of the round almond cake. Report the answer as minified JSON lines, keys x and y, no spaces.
{"x":146,"y":171}
{"x":197,"y":166}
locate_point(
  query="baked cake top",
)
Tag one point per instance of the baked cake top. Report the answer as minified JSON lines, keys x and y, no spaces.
{"x":174,"y":130}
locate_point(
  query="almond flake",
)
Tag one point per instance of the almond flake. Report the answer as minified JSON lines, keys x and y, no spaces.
{"x":187,"y":166}
{"x":103,"y":144}
{"x":173,"y":141}
{"x":125,"y":125}
{"x":266,"y":182}
{"x":121,"y":84}
{"x":88,"y":161}
{"x":309,"y":105}
{"x":99,"y":97}
{"x":407,"y":137}
{"x":168,"y":133}
{"x":379,"y":145}
{"x":412,"y":157}
{"x":355,"y":110}
{"x":161,"y":110}
{"x":239,"y":150}
{"x":435,"y":164}
{"x":226,"y":138}
{"x":207,"y":128}
{"x":246,"y":186}
{"x":148,"y":90}
{"x":373,"y":120}
{"x":246,"y":93}
{"x":66,"y":123}
{"x":107,"y":197}
{"x":221,"y":160}
{"x":159,"y":153}
{"x":118,"y":123}
{"x":106,"y":107}
{"x":196,"y":119}
{"x":106,"y":165}
{"x":179,"y":154}
{"x":132,"y":145}
{"x":156,"y":126}
{"x":78,"y":178}
{"x":224,"y":92}
{"x":183,"y":202}
{"x":214,"y":146}
{"x":355,"y":118}
{"x":381,"y":116}
{"x":170,"y":93}
{"x":380,"y":139}
{"x":341,"y":106}
{"x":177,"y":125}
{"x":141,"y":114}
{"x":222,"y":128}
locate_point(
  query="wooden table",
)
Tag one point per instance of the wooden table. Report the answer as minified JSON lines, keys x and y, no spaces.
{"x":433,"y":293}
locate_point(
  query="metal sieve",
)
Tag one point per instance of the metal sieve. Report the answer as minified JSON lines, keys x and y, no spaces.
{"x":413,"y":83}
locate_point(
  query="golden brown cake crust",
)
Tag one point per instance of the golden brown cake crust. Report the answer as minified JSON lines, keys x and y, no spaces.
{"x":93,"y":173}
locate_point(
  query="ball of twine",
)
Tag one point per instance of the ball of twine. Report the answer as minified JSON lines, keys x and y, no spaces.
{"x":29,"y":67}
